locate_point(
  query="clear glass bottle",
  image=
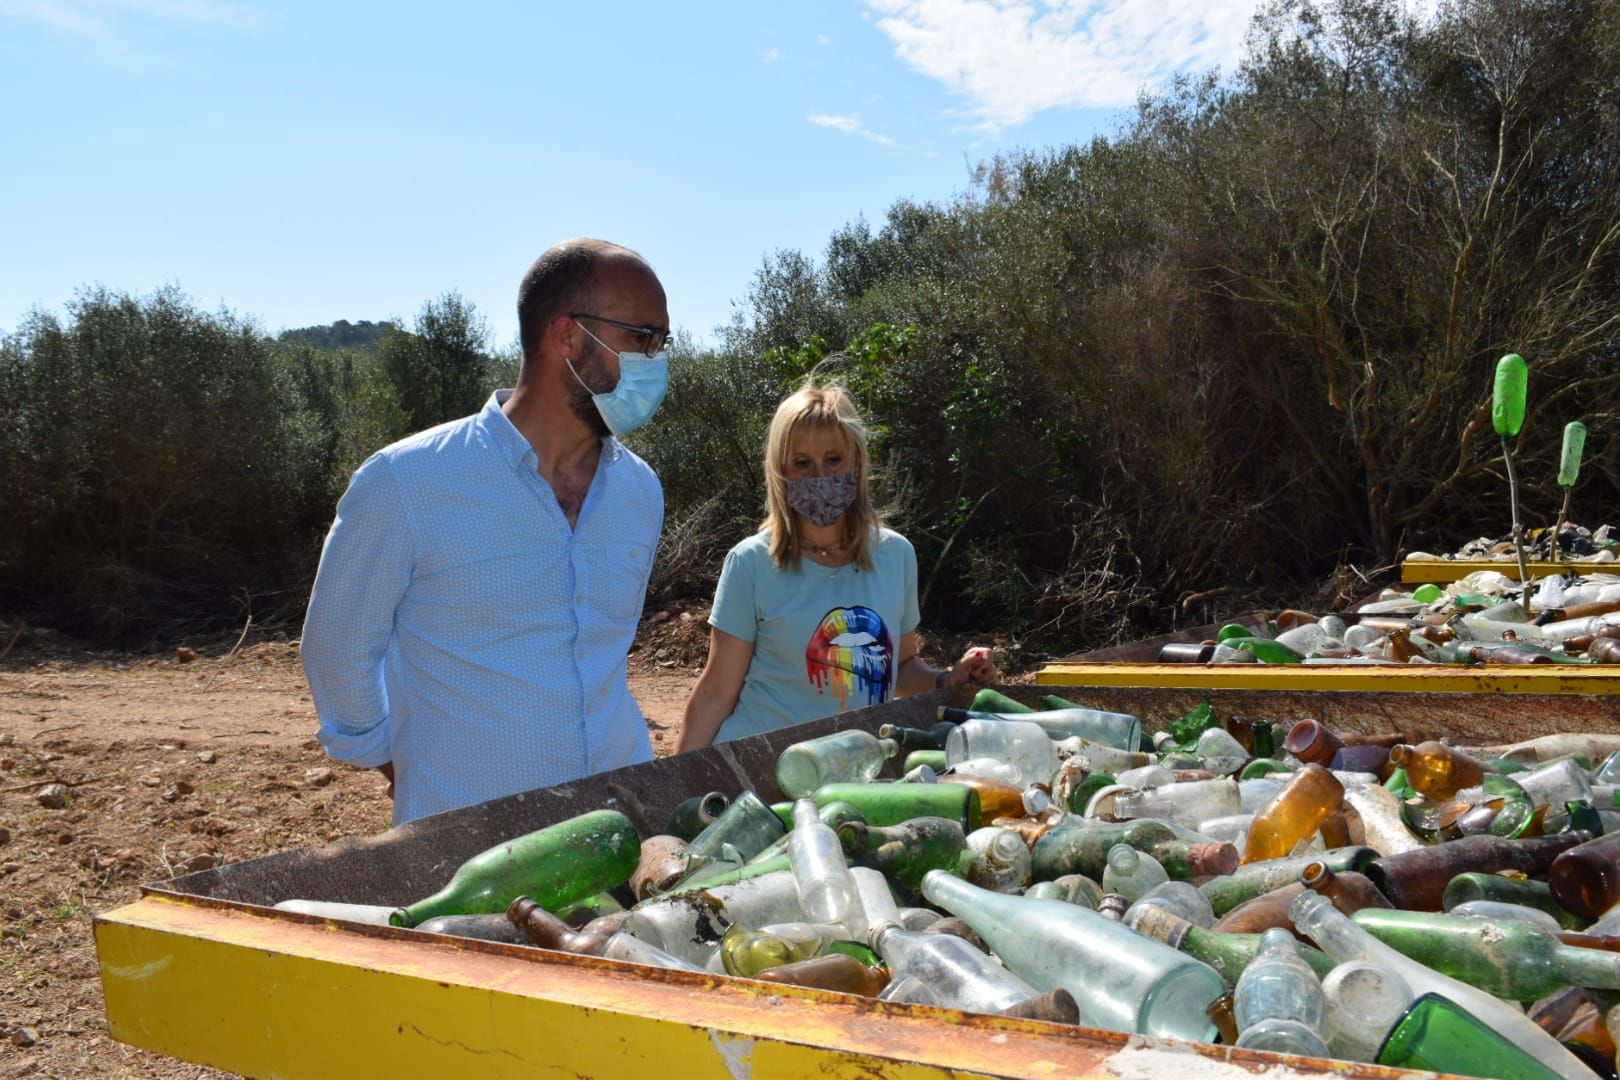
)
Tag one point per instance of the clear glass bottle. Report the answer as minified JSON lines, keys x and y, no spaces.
{"x":1024,"y":746}
{"x":1131,"y":873}
{"x":956,"y":974}
{"x":1122,"y":731}
{"x":1188,"y":803}
{"x":1180,"y":898}
{"x":842,"y":757}
{"x":1122,"y":981}
{"x":630,"y":949}
{"x":1363,"y":1002}
{"x":827,"y":892}
{"x":1278,"y":1003}
{"x":691,"y":925}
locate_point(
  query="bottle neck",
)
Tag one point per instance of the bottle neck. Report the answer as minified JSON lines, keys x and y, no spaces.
{"x":1587,"y":967}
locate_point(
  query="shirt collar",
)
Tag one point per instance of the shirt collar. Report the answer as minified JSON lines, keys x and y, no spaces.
{"x":512,"y":444}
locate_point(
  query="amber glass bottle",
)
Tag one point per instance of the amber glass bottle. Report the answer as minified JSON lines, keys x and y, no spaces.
{"x":1435,"y":769}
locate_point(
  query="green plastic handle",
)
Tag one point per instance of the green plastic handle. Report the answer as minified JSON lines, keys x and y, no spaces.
{"x":1569,"y":465}
{"x":1507,"y":403}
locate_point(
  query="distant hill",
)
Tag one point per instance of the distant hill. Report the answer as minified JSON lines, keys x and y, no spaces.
{"x":342,"y":334}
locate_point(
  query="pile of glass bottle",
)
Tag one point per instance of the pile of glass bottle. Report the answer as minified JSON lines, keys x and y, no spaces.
{"x":1367,"y":898}
{"x":1575,"y":543}
{"x":1481,"y":619}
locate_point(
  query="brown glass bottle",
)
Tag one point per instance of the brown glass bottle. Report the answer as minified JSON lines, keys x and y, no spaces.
{"x":549,"y":932}
{"x":1435,"y":769}
{"x":1054,"y":1006}
{"x":835,"y":971}
{"x":1220,"y":1014}
{"x":1586,"y":879}
{"x":662,"y":864}
{"x":1417,"y":880}
{"x":1267,"y":911}
{"x":996,"y":799}
{"x":1311,"y":742}
{"x":1349,"y":891}
{"x":1295,"y":813}
{"x":1605,"y":650}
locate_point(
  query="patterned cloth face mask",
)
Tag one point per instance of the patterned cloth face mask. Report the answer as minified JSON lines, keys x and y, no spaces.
{"x":822,"y":500}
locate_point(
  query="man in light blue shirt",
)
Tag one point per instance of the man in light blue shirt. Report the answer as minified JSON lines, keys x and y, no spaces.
{"x":481,"y":584}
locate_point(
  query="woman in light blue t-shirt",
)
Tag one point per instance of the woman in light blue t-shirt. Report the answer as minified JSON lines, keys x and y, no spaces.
{"x":816,"y":613}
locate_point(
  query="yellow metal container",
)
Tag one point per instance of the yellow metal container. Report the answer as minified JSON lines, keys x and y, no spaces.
{"x":1444,"y":571}
{"x":201,"y":967}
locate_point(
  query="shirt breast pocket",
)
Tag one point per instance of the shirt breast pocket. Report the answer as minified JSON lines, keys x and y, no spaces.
{"x":617,"y":580}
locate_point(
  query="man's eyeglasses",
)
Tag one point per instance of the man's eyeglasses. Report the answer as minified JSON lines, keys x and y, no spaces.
{"x":649,"y":339}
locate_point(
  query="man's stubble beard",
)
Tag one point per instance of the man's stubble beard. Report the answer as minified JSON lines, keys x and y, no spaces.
{"x":579,"y":399}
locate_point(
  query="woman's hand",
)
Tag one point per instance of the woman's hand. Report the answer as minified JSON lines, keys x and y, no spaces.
{"x":976,"y":666}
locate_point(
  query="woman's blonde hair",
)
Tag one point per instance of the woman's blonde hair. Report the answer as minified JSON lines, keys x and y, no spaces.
{"x":817,"y":408}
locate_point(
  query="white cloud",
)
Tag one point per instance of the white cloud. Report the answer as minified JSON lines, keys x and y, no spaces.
{"x":1011,"y":59}
{"x":847,"y":124}
{"x":823,"y":39}
{"x":770,"y":56}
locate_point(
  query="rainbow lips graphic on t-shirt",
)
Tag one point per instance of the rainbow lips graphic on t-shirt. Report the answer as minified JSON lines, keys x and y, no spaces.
{"x":851,"y":652}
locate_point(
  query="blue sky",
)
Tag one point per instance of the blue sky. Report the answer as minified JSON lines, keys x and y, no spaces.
{"x":304,"y":162}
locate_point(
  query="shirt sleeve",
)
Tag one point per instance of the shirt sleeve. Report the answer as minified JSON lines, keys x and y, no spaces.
{"x":734,"y":612}
{"x":364,"y":572}
{"x":910,"y":615}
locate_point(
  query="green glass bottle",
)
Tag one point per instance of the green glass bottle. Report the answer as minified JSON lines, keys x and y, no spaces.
{"x":1255,"y":879}
{"x":1514,"y":960}
{"x":692,"y":816}
{"x":1265,"y":739}
{"x":907,"y":851}
{"x":1266,"y":650}
{"x":1438,"y":1035}
{"x":555,"y":866}
{"x":1081,"y":847}
{"x":1228,"y":954}
{"x":1473,"y":885}
{"x":934,"y":759}
{"x":910,"y":738}
{"x":988,"y":700}
{"x":892,"y":804}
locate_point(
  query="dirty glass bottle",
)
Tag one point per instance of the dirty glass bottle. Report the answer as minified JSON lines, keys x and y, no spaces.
{"x":1227,"y":954}
{"x":1278,"y":1003}
{"x":956,"y":974}
{"x":1512,"y":960}
{"x":1417,"y":880}
{"x":1586,"y":879}
{"x":911,"y":739}
{"x":841,"y":757}
{"x":1364,"y":1001}
{"x":834,"y":971}
{"x":691,"y":816}
{"x":1131,"y":873}
{"x":1122,"y":981}
{"x":568,"y":861}
{"x":1122,"y":731}
{"x":827,"y":892}
{"x":747,"y":952}
{"x":1435,"y":769}
{"x":997,"y":859}
{"x":894,"y":804}
{"x":907,"y":851}
{"x":741,"y":831}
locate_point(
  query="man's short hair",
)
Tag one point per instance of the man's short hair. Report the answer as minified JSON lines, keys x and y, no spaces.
{"x":560,"y":281}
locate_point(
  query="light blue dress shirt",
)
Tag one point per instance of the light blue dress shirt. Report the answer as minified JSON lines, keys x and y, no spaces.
{"x":462,"y":630}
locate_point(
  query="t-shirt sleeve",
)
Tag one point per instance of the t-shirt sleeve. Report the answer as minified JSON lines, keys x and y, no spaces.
{"x":910,"y":616}
{"x":734,"y":612}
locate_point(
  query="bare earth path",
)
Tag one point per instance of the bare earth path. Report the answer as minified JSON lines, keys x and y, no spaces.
{"x":170,"y":766}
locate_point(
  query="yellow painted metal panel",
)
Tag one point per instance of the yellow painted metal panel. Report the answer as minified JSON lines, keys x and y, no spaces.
{"x":1443,"y":571}
{"x":266,"y":996}
{"x":1417,"y":678}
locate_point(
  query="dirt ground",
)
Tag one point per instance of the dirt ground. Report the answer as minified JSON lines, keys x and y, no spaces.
{"x":171,"y":763}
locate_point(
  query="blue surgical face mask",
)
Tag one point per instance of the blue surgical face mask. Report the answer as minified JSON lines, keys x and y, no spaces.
{"x":643,"y":380}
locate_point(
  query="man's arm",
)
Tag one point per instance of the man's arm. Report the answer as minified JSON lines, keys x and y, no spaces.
{"x":365,"y":569}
